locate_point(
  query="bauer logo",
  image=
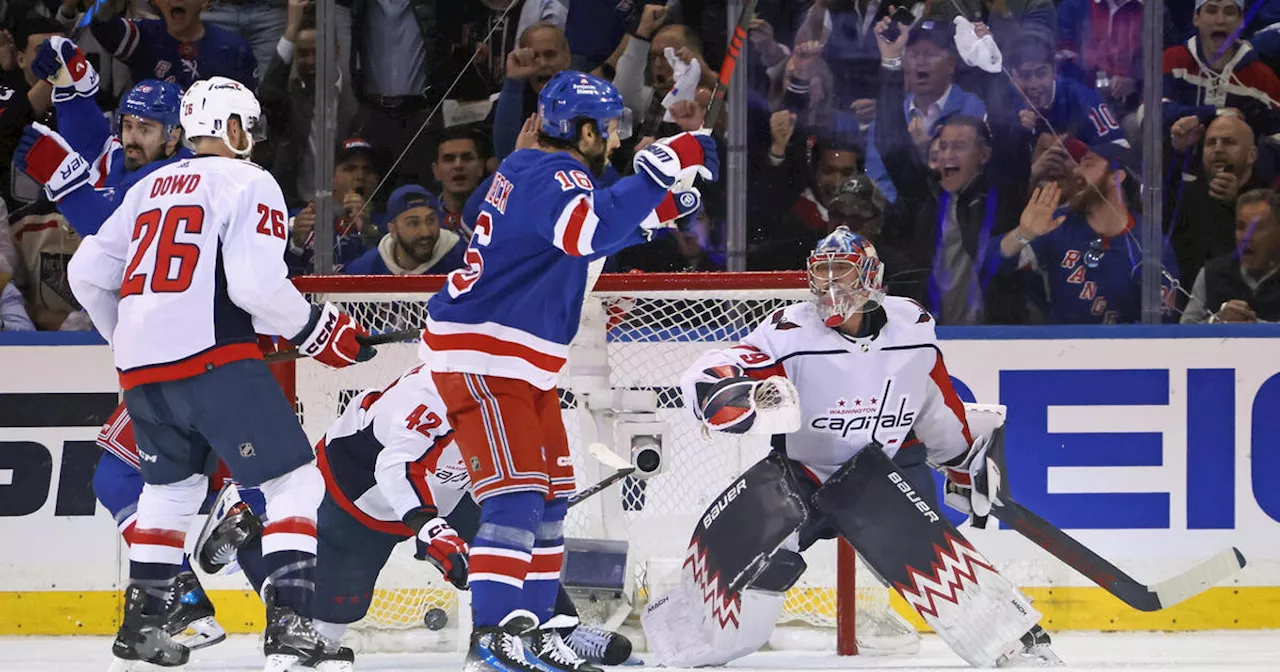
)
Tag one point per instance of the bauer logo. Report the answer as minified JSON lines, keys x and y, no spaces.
{"x":723,"y":503}
{"x":906,"y":489}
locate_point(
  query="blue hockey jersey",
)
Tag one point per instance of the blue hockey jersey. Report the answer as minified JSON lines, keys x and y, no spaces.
{"x":1108,"y":293}
{"x":514,"y":309}
{"x":1079,"y":111}
{"x":146,"y":46}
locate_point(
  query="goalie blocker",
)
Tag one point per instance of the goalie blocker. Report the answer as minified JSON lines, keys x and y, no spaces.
{"x":733,"y":584}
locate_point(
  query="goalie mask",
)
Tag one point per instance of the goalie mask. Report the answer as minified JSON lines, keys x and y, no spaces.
{"x":846,"y":276}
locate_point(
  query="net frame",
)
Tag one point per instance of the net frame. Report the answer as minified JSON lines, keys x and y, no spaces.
{"x":839,"y":562}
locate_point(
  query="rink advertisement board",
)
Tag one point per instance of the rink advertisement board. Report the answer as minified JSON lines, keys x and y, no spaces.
{"x":1155,"y":446}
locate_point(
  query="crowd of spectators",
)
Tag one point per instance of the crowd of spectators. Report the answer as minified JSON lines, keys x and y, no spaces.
{"x":990,"y":148}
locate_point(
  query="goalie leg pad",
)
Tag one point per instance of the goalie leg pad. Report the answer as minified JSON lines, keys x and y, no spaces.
{"x":978,"y":612}
{"x":710,"y":619}
{"x":780,"y":573}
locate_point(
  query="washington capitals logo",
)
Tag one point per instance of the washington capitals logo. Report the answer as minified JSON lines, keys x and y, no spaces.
{"x":955,"y":569}
{"x":724,"y":608}
{"x":781,"y":323}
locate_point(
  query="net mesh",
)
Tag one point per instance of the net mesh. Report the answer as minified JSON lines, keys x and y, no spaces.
{"x":650,"y":338}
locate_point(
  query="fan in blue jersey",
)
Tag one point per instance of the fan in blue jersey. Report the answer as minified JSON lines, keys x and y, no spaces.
{"x":1090,"y":251}
{"x":1069,"y":107}
{"x":498,"y":336}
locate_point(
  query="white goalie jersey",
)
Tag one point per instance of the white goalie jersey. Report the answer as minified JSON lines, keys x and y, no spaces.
{"x":890,"y":387}
{"x":392,"y":452}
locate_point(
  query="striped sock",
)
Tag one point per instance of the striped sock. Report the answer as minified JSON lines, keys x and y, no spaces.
{"x":289,"y":561}
{"x":155,"y":558}
{"x":542,"y":584}
{"x":501,"y":554}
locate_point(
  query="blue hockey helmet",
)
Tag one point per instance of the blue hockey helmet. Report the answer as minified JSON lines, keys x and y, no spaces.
{"x":154,"y":100}
{"x":846,"y":275}
{"x":571,"y":96}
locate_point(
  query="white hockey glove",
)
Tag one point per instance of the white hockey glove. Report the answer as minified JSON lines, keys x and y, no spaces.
{"x":742,"y":405}
{"x":973,"y":482}
{"x":674,"y":163}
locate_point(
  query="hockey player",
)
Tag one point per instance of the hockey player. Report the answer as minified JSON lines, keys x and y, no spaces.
{"x":872,"y":386}
{"x":499,"y":332}
{"x":392,"y":471}
{"x":177,"y":280}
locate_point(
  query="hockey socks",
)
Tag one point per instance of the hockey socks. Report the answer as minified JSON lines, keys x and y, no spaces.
{"x":156,"y":555}
{"x":542,"y":584}
{"x":289,"y":537}
{"x":501,"y":554}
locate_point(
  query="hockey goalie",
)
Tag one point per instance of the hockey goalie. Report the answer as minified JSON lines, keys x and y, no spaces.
{"x":854,"y":392}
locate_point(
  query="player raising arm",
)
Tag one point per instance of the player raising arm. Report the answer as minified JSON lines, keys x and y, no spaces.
{"x":178,"y":280}
{"x":499,"y":333}
{"x":872,"y":390}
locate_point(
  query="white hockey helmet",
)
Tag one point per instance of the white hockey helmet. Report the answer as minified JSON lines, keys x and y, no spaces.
{"x":209,"y":103}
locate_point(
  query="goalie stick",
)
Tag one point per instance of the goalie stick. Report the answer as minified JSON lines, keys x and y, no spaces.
{"x":1079,"y":557}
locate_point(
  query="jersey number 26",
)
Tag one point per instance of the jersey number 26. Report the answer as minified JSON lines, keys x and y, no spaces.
{"x":166,"y":275}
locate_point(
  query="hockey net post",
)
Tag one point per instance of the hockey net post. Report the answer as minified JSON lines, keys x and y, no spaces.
{"x":639,"y":333}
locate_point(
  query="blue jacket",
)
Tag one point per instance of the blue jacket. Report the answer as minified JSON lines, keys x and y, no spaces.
{"x":959,"y":101}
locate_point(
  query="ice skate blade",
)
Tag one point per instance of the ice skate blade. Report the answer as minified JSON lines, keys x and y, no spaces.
{"x":333,"y":666}
{"x":280,"y":662}
{"x":122,"y":665}
{"x":205,"y":632}
{"x":1038,"y":656}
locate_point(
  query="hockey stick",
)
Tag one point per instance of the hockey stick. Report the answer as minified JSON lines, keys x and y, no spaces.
{"x":609,"y":458}
{"x":374,"y":340}
{"x":736,"y":42}
{"x":1079,"y":557}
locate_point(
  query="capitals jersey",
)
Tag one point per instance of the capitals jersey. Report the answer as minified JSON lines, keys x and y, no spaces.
{"x":392,"y":452}
{"x":890,"y":387}
{"x":188,"y":269}
{"x":1109,"y":292}
{"x":146,"y":46}
{"x":514,"y":309}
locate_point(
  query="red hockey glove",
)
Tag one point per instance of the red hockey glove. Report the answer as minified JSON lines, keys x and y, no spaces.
{"x":331,"y":338}
{"x":446,"y":550}
{"x":50,"y":161}
{"x":674,"y":162}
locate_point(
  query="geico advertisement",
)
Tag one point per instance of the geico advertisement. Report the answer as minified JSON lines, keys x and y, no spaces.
{"x":1154,"y":452}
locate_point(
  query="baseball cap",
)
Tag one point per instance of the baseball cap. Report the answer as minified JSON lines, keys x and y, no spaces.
{"x":411,"y":196}
{"x":1201,"y":3}
{"x":1117,"y":152}
{"x":940,"y":33}
{"x":354,"y":145}
{"x":861,"y":194}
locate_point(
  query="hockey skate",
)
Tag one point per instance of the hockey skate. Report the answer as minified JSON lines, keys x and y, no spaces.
{"x":142,"y":638}
{"x":291,"y":641}
{"x":1035,"y":651}
{"x":191,"y":620}
{"x":502,"y":648}
{"x":599,"y":646}
{"x":228,"y":528}
{"x":549,"y":648}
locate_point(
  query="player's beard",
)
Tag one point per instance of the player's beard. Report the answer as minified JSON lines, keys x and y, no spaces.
{"x":596,"y":156}
{"x":135,"y":162}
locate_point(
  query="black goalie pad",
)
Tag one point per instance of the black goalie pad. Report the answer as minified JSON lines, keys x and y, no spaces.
{"x":744,"y":527}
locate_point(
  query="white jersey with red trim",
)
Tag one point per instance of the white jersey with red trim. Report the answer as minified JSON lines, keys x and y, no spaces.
{"x":187,"y":268}
{"x":890,"y":386}
{"x":392,"y":452}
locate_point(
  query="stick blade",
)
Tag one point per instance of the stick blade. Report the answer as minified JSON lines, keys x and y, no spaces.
{"x":607,"y":457}
{"x":1200,"y":578}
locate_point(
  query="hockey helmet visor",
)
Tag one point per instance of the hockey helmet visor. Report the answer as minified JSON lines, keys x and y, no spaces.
{"x":846,"y":275}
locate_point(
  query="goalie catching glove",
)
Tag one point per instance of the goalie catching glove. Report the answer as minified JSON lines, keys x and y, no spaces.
{"x":738,"y":404}
{"x":331,"y":338}
{"x":441,"y":546}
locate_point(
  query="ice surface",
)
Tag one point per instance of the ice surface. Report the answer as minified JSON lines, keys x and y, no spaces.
{"x":1251,"y":651}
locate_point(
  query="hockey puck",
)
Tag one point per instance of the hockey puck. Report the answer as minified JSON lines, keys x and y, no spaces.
{"x":436,"y":618}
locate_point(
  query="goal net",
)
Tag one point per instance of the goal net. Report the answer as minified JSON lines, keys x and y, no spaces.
{"x":638,"y":335}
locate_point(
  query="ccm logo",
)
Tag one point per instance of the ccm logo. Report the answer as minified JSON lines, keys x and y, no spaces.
{"x":564,"y":461}
{"x":322,"y":336}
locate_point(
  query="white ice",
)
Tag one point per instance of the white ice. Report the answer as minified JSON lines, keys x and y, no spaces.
{"x":1241,"y":651}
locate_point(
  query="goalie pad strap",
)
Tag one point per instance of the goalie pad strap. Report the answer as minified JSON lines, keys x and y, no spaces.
{"x":978,"y":612}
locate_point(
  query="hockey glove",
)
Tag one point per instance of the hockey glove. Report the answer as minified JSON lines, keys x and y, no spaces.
{"x":737,"y":404}
{"x":972,"y":482}
{"x":446,"y":550}
{"x":673,"y":208}
{"x":61,"y":62}
{"x":674,"y":162}
{"x":50,"y":161}
{"x":331,"y":338}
